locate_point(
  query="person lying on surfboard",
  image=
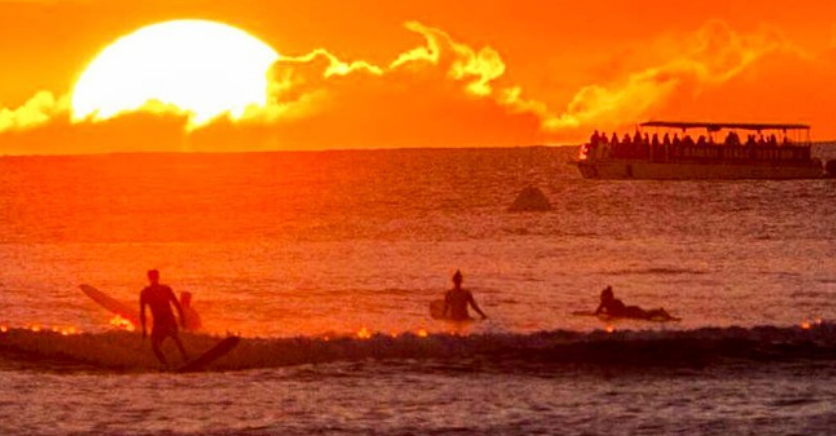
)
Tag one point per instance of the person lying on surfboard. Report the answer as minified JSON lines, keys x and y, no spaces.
{"x":457,"y":299}
{"x":159,"y":298}
{"x":615,"y":308}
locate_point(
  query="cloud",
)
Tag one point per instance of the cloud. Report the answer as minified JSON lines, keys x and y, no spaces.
{"x":709,"y":58}
{"x":39,"y":110}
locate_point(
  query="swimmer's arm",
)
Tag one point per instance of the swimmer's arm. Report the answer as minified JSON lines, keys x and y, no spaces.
{"x":476,"y":306}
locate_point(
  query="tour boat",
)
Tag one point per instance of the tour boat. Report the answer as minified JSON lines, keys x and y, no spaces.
{"x":769,"y":151}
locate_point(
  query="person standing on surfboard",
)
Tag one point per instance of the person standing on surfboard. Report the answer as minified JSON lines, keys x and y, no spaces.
{"x":457,"y":299}
{"x":159,"y":298}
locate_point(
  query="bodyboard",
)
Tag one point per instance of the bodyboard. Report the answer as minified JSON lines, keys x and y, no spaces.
{"x":219,"y":350}
{"x":113,"y":305}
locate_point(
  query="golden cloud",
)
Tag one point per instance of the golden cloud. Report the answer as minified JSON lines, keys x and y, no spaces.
{"x":39,"y":110}
{"x":710,"y":57}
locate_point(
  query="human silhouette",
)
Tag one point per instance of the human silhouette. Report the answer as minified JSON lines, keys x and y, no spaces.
{"x":159,"y":298}
{"x":615,"y":308}
{"x":457,"y":299}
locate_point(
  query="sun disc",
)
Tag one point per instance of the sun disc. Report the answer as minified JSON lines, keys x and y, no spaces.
{"x":201,"y":67}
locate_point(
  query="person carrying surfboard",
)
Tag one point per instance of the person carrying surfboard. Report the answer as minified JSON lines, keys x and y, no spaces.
{"x":615,"y":308}
{"x":191,"y":319}
{"x":159,"y":298}
{"x":457,"y":299}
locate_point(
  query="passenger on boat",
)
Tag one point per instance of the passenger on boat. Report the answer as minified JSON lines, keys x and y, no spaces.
{"x":732,"y":139}
{"x":667,"y":139}
{"x":614,"y":140}
{"x":594,"y":139}
{"x":637,"y":137}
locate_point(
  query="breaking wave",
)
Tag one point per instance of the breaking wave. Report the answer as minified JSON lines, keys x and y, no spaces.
{"x":121,"y":351}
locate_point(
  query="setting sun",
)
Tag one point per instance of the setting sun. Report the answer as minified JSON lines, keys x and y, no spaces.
{"x":199,"y":67}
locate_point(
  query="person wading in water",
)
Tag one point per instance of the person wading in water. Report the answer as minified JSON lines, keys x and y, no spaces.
{"x":159,"y":298}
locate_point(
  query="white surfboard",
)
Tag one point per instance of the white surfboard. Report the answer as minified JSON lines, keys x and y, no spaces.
{"x":126,"y":311}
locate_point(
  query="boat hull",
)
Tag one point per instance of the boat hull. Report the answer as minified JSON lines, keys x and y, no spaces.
{"x":618,"y":169}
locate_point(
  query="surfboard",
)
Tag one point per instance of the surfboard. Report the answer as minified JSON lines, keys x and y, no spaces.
{"x":605,"y":317}
{"x":219,"y":350}
{"x":115,"y":306}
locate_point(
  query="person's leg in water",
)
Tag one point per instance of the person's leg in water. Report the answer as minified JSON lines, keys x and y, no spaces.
{"x":156,"y":341}
{"x":658,"y":313}
{"x":634,"y":312}
{"x":180,"y":346}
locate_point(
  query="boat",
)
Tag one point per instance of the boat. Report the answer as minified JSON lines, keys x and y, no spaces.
{"x":769,"y":151}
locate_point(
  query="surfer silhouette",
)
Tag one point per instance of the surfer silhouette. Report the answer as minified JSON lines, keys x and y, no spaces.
{"x":191,"y":319}
{"x":457,"y":299}
{"x":159,"y":298}
{"x":616,"y":308}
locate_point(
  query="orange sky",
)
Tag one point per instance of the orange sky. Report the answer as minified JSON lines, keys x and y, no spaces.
{"x":450,"y":73}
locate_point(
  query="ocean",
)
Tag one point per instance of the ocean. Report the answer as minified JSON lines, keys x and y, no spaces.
{"x":325,"y":263}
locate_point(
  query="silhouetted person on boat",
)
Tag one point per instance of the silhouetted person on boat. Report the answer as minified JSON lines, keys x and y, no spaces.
{"x":457,"y":299}
{"x":595,"y":139}
{"x":159,"y":298}
{"x":615,"y":308}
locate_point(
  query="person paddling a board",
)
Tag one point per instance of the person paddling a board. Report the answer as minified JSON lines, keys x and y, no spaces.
{"x":457,"y":299}
{"x":615,"y":308}
{"x":159,"y":298}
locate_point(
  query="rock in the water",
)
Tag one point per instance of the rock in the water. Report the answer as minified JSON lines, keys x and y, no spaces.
{"x":531,"y":199}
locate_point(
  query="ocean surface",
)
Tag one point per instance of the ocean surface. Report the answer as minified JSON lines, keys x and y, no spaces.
{"x":325,"y":263}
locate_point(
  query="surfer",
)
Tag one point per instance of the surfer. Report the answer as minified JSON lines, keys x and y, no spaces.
{"x":191,"y":319}
{"x":457,"y":299}
{"x":159,"y":298}
{"x":615,"y":308}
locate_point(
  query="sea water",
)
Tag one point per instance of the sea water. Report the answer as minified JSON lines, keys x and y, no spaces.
{"x":325,"y":263}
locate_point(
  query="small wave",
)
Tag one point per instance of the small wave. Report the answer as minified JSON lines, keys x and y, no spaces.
{"x":656,"y":271}
{"x":127,"y":352}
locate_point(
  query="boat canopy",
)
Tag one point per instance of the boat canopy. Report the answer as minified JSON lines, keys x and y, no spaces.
{"x":715,"y":127}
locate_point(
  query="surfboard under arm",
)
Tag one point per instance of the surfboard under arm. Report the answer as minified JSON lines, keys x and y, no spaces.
{"x":130,"y":313}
